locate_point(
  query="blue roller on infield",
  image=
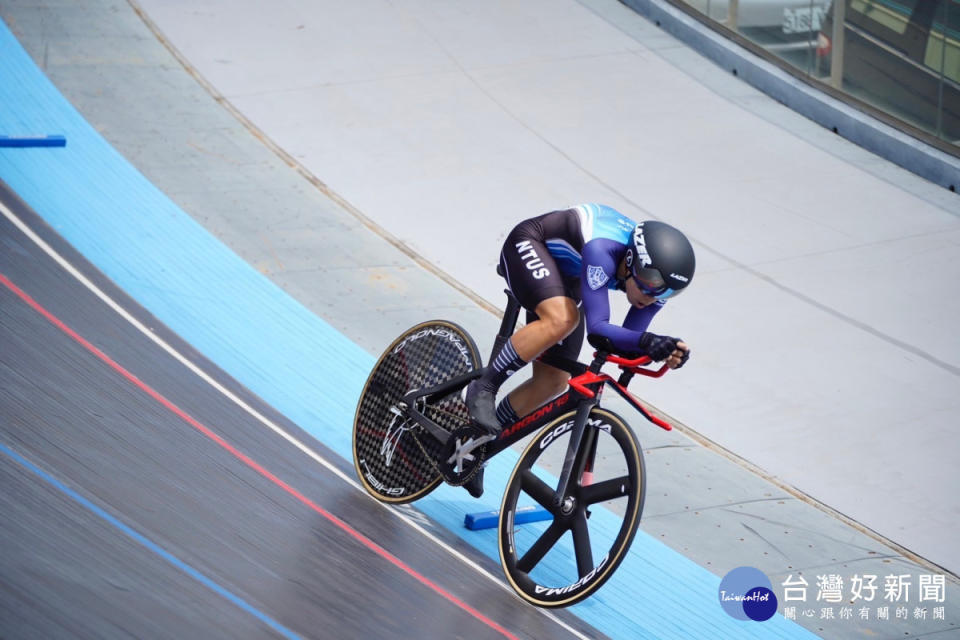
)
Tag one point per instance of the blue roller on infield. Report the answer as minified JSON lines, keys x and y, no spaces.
{"x":489,"y":519}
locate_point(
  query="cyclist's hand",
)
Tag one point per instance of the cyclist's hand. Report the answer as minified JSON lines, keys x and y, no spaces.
{"x":679,"y":356}
{"x":659,"y":348}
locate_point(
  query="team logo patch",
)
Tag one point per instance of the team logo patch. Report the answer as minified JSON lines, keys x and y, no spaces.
{"x":596,"y":277}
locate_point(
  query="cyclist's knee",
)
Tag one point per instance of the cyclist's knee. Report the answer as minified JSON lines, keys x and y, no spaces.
{"x":560,"y":317}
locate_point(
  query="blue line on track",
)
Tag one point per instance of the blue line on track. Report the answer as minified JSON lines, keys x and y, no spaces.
{"x":149,"y":544}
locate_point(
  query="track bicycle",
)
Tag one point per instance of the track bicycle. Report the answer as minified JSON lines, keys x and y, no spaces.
{"x":412,"y":431}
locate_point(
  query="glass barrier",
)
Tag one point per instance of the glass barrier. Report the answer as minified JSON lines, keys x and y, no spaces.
{"x":901,"y":56}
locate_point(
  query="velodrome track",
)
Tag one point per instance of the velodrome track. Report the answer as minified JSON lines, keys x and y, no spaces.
{"x":118,"y":454}
{"x":445,"y":121}
{"x":140,"y":498}
{"x":163,"y":288}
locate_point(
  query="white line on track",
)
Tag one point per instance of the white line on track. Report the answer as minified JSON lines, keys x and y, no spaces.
{"x":160,"y":342}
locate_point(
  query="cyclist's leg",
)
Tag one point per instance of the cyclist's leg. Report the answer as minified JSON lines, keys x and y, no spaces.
{"x":556,"y":318}
{"x":547,"y":382}
{"x":536,"y":280}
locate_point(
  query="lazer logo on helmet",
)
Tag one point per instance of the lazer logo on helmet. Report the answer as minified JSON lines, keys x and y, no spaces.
{"x":680,"y":277}
{"x":640,"y":244}
{"x":531,"y":260}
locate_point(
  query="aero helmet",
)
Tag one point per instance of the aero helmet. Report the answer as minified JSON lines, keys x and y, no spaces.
{"x":660,"y":259}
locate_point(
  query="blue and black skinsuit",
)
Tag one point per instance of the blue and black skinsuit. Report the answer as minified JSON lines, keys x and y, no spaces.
{"x":575,"y":253}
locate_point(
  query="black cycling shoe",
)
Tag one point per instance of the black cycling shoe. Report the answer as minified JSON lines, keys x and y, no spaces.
{"x":474,"y":485}
{"x":480,"y":403}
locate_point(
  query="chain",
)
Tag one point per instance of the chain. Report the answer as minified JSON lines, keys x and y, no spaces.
{"x":451,"y":414}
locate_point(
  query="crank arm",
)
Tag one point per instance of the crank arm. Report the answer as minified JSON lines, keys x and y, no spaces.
{"x":469,"y":446}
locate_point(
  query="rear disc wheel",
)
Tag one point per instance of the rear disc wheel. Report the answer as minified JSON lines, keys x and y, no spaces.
{"x":391,"y":452}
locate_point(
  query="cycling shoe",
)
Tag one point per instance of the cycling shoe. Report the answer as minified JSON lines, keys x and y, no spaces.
{"x":474,"y":485}
{"x":480,"y":404}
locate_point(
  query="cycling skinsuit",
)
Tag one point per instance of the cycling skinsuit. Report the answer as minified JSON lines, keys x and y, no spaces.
{"x":575,"y":253}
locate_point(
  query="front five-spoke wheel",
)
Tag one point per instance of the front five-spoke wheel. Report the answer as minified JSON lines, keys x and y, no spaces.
{"x":563,"y":560}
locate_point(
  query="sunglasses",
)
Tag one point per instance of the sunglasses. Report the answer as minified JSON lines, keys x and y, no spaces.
{"x":651,"y":283}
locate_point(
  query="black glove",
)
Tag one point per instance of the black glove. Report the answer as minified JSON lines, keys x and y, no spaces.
{"x":683,"y":358}
{"x":657,"y":347}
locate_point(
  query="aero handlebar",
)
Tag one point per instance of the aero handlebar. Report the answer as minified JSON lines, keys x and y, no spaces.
{"x":629,"y":367}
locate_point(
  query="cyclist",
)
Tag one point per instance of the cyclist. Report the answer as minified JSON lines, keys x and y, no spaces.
{"x":561,"y":266}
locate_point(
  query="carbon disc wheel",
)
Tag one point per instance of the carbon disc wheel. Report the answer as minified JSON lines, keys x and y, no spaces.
{"x":391,"y":453}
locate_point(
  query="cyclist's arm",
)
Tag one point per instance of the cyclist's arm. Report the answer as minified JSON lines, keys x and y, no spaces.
{"x":599,"y":268}
{"x":639,"y":319}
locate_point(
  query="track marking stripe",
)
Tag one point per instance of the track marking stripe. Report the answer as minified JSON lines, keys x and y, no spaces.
{"x":183,"y":415}
{"x":93,"y":288}
{"x":149,"y":544}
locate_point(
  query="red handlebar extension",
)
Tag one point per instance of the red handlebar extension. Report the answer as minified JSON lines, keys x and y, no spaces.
{"x":579,"y":383}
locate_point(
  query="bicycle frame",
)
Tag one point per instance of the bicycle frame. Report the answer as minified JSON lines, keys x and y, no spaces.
{"x":586,"y":387}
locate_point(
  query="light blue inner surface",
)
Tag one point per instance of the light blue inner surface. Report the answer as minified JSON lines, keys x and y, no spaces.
{"x":280,"y":350}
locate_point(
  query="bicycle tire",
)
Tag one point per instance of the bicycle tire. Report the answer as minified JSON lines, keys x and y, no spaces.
{"x":537,"y":559}
{"x":391,"y":465}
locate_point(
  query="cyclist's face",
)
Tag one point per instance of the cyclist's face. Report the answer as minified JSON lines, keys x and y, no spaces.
{"x":636,"y":296}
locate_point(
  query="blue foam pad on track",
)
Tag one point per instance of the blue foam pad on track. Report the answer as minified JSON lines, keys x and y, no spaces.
{"x":489,"y":519}
{"x":33,"y":141}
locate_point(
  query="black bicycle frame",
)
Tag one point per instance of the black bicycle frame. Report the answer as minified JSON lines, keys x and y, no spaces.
{"x":586,"y":387}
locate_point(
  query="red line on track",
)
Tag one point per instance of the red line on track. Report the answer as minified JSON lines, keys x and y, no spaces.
{"x":346,"y":528}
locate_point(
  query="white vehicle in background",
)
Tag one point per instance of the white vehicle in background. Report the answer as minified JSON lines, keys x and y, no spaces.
{"x":777,"y":25}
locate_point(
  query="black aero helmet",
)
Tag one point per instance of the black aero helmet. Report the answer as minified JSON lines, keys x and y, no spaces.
{"x":660,"y":259}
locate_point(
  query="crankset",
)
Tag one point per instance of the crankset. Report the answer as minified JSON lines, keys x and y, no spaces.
{"x":463,"y":454}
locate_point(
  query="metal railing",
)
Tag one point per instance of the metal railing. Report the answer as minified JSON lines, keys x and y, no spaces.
{"x":898,"y":59}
